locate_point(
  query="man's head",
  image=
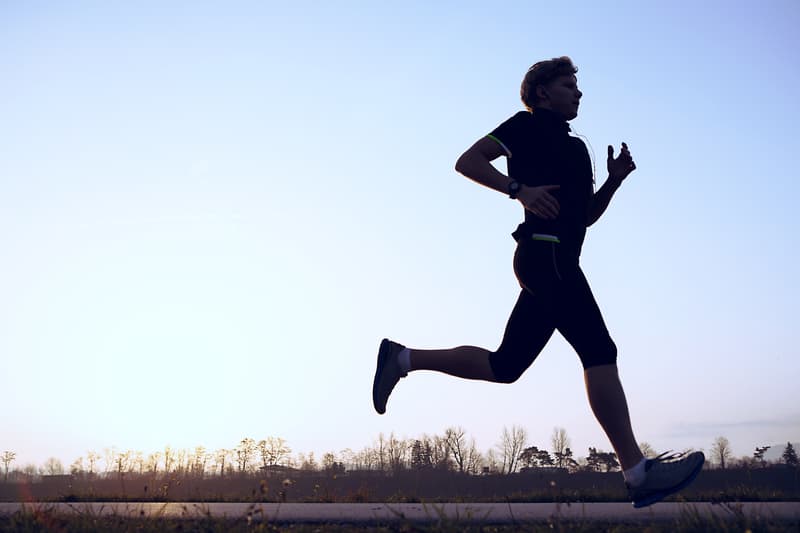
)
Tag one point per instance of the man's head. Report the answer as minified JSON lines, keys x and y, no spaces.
{"x":552,"y":85}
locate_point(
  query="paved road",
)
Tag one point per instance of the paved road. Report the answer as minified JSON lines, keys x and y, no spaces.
{"x":384,"y":512}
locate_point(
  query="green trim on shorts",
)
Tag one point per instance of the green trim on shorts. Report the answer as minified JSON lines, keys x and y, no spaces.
{"x":544,"y":237}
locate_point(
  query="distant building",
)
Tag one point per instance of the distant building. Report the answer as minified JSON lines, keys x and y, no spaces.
{"x":277,"y":470}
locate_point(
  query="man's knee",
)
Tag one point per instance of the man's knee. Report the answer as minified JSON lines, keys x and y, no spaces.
{"x":601,"y":355}
{"x":507,"y":369}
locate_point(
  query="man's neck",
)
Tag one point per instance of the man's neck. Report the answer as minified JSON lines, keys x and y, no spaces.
{"x":549,"y":111}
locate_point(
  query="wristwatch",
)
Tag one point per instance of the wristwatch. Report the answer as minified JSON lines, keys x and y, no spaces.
{"x":513,"y":189}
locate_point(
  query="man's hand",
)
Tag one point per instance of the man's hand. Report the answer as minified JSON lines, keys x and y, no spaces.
{"x":619,"y":168}
{"x":539,"y":201}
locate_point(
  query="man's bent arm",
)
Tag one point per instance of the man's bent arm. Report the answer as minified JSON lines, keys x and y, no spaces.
{"x":476,"y":164}
{"x":618,"y":169}
{"x":601,"y":199}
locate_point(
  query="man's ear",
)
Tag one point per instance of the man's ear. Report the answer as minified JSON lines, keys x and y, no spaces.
{"x":541,"y":93}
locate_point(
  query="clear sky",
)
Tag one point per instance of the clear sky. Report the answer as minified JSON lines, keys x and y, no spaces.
{"x":212,"y":212}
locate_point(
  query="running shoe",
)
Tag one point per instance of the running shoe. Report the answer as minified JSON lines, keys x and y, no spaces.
{"x":387,"y":374}
{"x":665,"y":475}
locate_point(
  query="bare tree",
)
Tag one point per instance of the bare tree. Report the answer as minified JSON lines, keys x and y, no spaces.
{"x":77,"y":468}
{"x":359,"y":461}
{"x":328,"y":461}
{"x":721,"y":453}
{"x":273,"y":450}
{"x":474,"y":458}
{"x":169,"y":459}
{"x":647,"y":450}
{"x":435,"y":451}
{"x":7,"y":458}
{"x":244,"y":454}
{"x":279,"y":449}
{"x":491,"y":462}
{"x":376,"y":454}
{"x":396,"y":451}
{"x":512,"y":442}
{"x":153,"y":460}
{"x":380,"y":450}
{"x":220,"y":457}
{"x":122,"y":462}
{"x":138,"y":462}
{"x":197,"y":464}
{"x":348,"y":458}
{"x":560,"y":442}
{"x":308,"y":462}
{"x":440,"y":453}
{"x":181,"y":461}
{"x":91,"y":461}
{"x":110,"y":459}
{"x":331,"y":465}
{"x":456,"y":439}
{"x":53,"y":467}
{"x":366,"y":459}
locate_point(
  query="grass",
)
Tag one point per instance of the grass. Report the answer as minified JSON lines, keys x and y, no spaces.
{"x":44,"y":519}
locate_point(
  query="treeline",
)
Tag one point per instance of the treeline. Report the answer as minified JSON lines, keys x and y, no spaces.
{"x":452,"y":451}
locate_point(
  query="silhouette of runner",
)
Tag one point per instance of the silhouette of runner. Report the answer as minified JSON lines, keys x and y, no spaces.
{"x":550,"y":173}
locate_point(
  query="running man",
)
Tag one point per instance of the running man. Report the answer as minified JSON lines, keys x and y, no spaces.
{"x":550,"y":173}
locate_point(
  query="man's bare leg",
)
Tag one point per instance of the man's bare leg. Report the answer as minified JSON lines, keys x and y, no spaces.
{"x":610,"y":407}
{"x":469,"y":362}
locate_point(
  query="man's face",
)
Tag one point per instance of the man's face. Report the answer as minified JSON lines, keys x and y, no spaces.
{"x":561,"y":95}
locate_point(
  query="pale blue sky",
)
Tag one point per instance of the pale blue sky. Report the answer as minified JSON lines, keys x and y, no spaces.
{"x":211,"y":213}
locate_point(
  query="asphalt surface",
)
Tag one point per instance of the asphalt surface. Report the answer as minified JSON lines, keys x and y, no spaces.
{"x":473,"y":513}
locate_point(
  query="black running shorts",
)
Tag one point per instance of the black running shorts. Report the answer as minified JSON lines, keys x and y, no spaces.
{"x":555,"y":296}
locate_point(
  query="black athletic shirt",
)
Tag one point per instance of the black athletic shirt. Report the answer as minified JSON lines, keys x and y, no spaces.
{"x":540,"y":151}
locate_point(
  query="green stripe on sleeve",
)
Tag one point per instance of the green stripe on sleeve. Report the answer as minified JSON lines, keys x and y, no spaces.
{"x":498,"y":141}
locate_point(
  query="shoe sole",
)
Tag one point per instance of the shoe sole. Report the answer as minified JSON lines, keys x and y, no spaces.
{"x":657,"y":497}
{"x":383,"y":354}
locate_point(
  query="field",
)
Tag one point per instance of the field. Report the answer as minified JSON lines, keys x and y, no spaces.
{"x":769,"y":484}
{"x":727,"y":488}
{"x":42,"y":518}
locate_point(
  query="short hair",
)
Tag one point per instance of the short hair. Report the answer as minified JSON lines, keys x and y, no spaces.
{"x":542,"y":73}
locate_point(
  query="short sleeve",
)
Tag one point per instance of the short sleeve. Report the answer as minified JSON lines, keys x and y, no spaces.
{"x":510,"y":135}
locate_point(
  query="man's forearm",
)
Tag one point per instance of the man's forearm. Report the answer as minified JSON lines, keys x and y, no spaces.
{"x":479,"y":170}
{"x":602,"y":198}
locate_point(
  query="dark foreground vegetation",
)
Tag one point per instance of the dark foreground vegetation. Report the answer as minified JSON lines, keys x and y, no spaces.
{"x":42,"y":520}
{"x":535,"y":485}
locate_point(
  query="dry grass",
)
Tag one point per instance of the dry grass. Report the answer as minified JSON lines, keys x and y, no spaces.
{"x":46,"y":520}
